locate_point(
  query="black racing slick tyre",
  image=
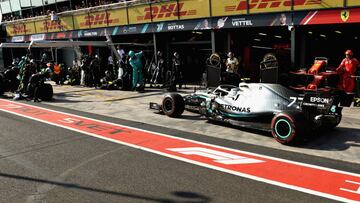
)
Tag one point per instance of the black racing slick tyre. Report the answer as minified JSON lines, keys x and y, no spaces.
{"x":288,"y":128}
{"x":173,"y":105}
{"x":46,"y":92}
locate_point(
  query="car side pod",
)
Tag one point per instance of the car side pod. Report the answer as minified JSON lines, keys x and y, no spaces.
{"x":288,"y":128}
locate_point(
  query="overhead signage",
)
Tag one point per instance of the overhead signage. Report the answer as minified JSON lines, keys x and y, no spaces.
{"x":338,"y":16}
{"x":37,"y":37}
{"x":236,"y":7}
{"x":16,"y":29}
{"x":17,"y":39}
{"x":353,"y":3}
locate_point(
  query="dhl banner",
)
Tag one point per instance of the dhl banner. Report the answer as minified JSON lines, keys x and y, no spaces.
{"x":228,"y":7}
{"x":40,"y":26}
{"x":20,"y":29}
{"x":66,"y":23}
{"x":353,"y":2}
{"x":163,"y":11}
{"x":30,"y":28}
{"x":190,"y":9}
{"x":117,"y":17}
{"x":139,"y":14}
{"x":236,"y":7}
{"x":81,"y":21}
{"x":172,"y":10}
{"x":317,"y":4}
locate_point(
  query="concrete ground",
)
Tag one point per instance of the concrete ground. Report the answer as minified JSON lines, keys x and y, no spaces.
{"x":341,"y":144}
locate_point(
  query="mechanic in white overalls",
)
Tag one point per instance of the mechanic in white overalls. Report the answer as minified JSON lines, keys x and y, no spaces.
{"x":231,"y":75}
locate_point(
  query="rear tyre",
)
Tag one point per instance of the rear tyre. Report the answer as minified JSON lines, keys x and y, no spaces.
{"x":46,"y":92}
{"x":173,"y":105}
{"x":288,"y":128}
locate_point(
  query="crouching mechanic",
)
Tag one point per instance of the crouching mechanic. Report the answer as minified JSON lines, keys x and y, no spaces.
{"x":137,"y":66}
{"x":347,"y":70}
{"x":35,"y":81}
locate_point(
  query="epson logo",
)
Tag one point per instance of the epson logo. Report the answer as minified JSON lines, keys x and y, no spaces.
{"x":320,"y":100}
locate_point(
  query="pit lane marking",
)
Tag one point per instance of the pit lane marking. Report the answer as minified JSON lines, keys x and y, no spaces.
{"x":315,"y":180}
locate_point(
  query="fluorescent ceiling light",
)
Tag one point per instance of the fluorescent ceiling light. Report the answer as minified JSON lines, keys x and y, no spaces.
{"x":323,"y":36}
{"x":310,"y":32}
{"x":257,"y":40}
{"x":278,"y":36}
{"x":263,"y":34}
{"x":337,"y":31}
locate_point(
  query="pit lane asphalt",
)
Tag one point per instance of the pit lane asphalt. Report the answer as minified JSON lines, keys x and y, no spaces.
{"x":342,"y":143}
{"x":44,"y":163}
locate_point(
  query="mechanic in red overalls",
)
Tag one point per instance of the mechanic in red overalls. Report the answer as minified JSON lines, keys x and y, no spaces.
{"x":346,"y":70}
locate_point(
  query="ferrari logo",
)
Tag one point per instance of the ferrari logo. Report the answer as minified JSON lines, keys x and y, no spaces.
{"x":345,"y":14}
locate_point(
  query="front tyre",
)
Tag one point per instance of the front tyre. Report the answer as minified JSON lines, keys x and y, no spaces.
{"x":287,"y":128}
{"x":173,"y":105}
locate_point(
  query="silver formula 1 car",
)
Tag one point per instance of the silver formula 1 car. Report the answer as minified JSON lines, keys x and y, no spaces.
{"x":271,"y":107}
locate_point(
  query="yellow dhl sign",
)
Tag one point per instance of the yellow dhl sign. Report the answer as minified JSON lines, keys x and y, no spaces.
{"x":231,"y":7}
{"x":20,"y":29}
{"x":165,"y":11}
{"x":185,"y":9}
{"x":353,"y":2}
{"x":94,"y":20}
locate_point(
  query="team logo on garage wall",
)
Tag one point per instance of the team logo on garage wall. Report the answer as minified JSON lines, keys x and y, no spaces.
{"x":345,"y":14}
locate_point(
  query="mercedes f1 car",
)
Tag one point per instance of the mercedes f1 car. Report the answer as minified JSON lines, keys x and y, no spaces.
{"x":270,"y":107}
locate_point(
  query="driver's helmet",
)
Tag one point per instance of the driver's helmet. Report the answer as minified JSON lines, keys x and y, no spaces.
{"x":233,"y":91}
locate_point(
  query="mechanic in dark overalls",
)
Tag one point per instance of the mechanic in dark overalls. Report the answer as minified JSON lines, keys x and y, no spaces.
{"x":176,"y":72}
{"x":36,"y":80}
{"x":156,"y":75}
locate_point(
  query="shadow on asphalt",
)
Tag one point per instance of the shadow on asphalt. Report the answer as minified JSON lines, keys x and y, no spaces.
{"x":190,"y":196}
{"x":140,"y":95}
{"x":338,"y":139}
{"x":74,"y":91}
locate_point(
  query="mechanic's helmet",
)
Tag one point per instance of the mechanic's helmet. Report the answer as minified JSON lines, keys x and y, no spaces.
{"x":159,"y":53}
{"x":230,"y":54}
{"x":131,"y":54}
{"x":48,"y":64}
{"x":349,"y":52}
{"x":32,"y":61}
{"x":176,"y":55}
{"x":96,"y":56}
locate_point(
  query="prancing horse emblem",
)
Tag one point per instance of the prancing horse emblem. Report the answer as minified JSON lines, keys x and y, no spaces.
{"x":345,"y":14}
